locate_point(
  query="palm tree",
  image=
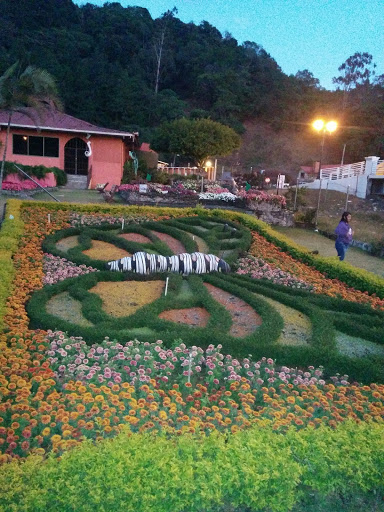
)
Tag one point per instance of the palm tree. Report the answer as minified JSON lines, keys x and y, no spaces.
{"x":32,"y":87}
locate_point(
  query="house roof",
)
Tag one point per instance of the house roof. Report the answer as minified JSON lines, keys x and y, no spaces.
{"x":52,"y":119}
{"x":145,"y":146}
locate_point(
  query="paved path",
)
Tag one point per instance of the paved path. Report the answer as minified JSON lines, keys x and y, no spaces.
{"x":326,"y":247}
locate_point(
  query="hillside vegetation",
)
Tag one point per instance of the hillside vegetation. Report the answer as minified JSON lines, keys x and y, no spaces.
{"x":108,"y":67}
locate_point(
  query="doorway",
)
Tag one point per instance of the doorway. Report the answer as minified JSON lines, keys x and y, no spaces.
{"x":75,"y":161}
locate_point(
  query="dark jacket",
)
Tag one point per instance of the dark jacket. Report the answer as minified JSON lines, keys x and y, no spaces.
{"x":344,"y":233}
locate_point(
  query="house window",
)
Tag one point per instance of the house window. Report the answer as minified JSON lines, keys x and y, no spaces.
{"x":35,"y":146}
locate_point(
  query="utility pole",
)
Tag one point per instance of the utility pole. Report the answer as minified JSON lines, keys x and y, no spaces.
{"x":326,"y":192}
{"x":318,"y":207}
{"x":297,"y":186}
{"x":342,"y":156}
{"x":346,"y":200}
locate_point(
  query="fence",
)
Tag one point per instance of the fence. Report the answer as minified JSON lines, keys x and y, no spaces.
{"x":181,"y":171}
{"x":344,"y":171}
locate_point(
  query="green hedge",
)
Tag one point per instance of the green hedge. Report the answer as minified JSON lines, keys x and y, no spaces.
{"x":11,"y":232}
{"x":36,"y":171}
{"x":253,"y":470}
{"x":147,"y":317}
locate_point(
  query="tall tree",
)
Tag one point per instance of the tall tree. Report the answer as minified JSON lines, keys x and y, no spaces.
{"x":198,"y":139}
{"x":307,"y":78}
{"x":32,"y":87}
{"x":159,"y":44}
{"x":357,"y":70}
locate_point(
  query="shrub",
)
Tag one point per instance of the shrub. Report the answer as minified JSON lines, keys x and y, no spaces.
{"x":254,"y":470}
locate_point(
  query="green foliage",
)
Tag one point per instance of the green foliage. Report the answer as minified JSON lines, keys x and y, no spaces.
{"x":299,"y":193}
{"x":254,"y":470}
{"x":11,"y":232}
{"x":33,"y":87}
{"x":36,"y":171}
{"x":61,"y":176}
{"x":129,"y":171}
{"x":202,"y":72}
{"x":306,"y":217}
{"x":161,"y":177}
{"x":197,"y":139}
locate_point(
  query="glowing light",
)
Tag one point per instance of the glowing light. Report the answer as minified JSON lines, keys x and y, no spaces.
{"x":331,"y":126}
{"x":318,"y":124}
{"x":208,"y":163}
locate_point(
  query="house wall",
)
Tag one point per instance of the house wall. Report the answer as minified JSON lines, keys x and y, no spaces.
{"x":29,"y":159}
{"x":107,"y":160}
{"x":104,"y":165}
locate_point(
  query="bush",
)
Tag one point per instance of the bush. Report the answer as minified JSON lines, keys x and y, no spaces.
{"x":36,"y":171}
{"x":253,"y":470}
{"x":306,"y":217}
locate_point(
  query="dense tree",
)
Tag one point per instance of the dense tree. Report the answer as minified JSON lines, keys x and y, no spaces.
{"x":104,"y":60}
{"x":356,"y":73}
{"x":197,"y":139}
{"x":32,"y":87}
{"x":307,"y":78}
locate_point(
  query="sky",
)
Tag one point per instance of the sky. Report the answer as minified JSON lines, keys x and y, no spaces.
{"x":318,"y":35}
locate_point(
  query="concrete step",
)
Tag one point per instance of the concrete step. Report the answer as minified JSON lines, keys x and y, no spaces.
{"x":77,"y":182}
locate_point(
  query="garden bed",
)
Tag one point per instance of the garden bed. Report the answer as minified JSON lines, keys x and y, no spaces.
{"x":100,"y":372}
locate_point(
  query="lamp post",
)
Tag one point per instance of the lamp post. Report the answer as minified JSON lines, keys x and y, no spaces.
{"x":323,"y":127}
{"x":208,"y":166}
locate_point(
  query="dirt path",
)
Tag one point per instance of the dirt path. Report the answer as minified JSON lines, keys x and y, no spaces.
{"x":326,"y":247}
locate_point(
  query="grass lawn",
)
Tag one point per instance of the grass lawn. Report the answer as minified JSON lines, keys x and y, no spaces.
{"x":326,"y":247}
{"x":66,"y":195}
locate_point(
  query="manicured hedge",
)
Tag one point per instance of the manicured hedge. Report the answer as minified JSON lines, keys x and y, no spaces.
{"x":253,"y":470}
{"x":11,"y":232}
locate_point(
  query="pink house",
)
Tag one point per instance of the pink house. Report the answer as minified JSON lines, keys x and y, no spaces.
{"x":87,"y":153}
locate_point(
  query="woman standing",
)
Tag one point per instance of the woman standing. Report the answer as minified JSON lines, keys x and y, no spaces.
{"x":344,"y":235}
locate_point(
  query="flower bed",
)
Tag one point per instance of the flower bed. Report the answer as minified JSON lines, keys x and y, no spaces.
{"x":58,"y":391}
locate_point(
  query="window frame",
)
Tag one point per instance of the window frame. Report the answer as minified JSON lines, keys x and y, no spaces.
{"x":28,"y":153}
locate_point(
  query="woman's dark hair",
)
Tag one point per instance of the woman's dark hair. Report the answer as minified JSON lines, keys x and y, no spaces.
{"x":344,"y":217}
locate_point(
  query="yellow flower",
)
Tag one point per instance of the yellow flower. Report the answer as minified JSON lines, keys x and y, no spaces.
{"x":55,"y":438}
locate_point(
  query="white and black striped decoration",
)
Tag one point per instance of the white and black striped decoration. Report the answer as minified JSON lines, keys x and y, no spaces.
{"x":185,"y":263}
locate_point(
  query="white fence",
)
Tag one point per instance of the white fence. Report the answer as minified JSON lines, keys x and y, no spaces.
{"x":344,"y":171}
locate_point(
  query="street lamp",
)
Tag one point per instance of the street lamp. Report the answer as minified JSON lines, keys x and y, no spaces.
{"x":323,"y":127}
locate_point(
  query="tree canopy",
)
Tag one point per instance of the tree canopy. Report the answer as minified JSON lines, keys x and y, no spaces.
{"x":31,"y":87}
{"x":196,"y":138}
{"x":120,"y":68}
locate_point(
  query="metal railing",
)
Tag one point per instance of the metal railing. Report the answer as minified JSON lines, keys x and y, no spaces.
{"x":343,"y":171}
{"x":181,"y":171}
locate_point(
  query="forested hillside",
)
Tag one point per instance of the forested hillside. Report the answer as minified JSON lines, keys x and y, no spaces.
{"x":120,"y":68}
